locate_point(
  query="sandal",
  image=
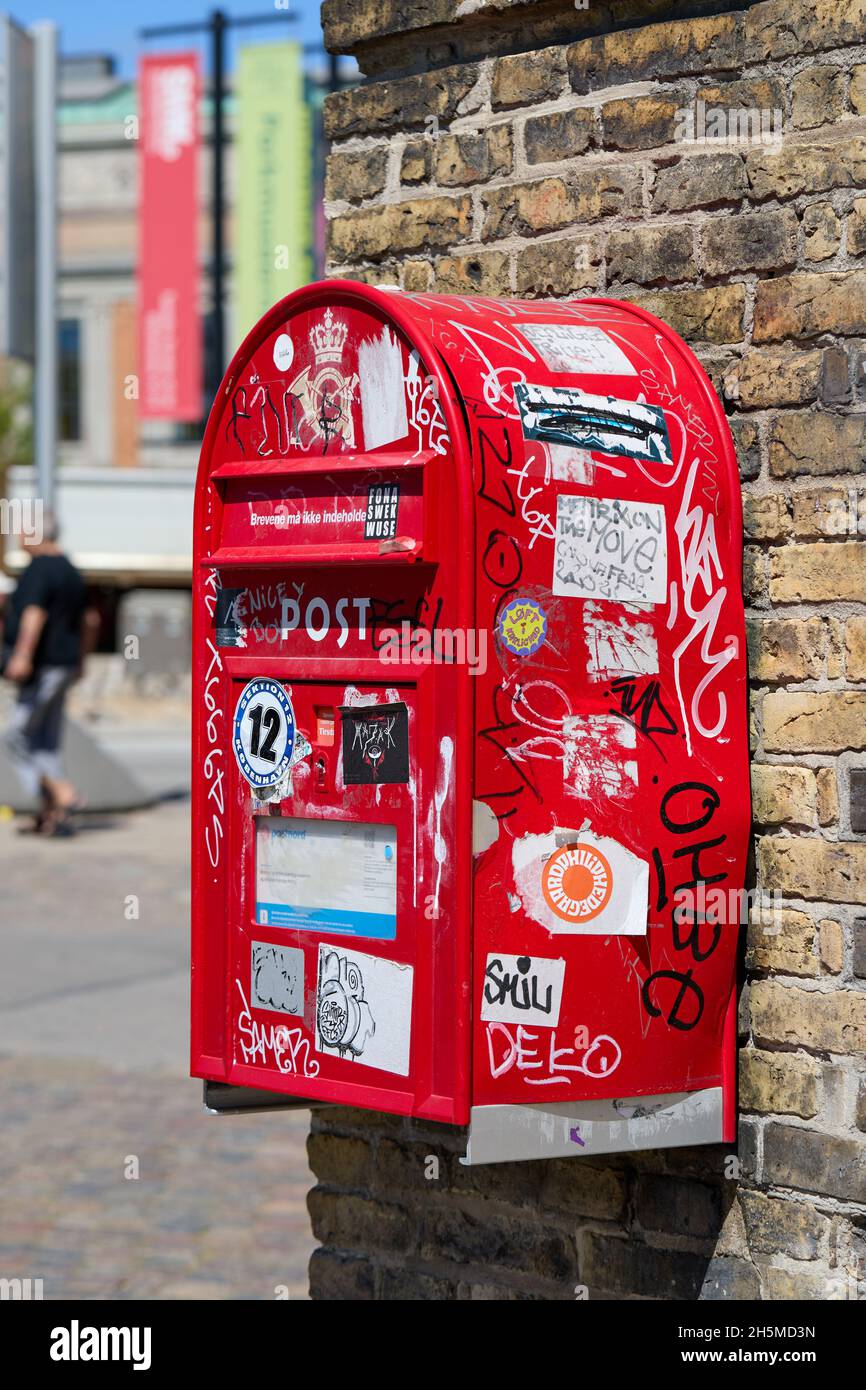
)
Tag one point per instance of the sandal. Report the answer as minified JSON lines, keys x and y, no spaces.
{"x":59,"y":822}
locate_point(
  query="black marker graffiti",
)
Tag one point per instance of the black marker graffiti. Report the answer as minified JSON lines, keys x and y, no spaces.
{"x":642,"y":708}
{"x":502,"y":561}
{"x":687,"y":1007}
{"x":239,"y":412}
{"x":520,"y":989}
{"x":494,"y":487}
{"x":386,"y":615}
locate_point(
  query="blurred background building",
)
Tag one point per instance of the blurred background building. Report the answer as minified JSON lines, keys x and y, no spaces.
{"x":124,"y":479}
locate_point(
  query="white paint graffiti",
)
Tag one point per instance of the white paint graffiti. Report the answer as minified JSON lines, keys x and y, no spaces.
{"x":498,"y":382}
{"x":542,"y":707}
{"x":213,"y":768}
{"x":425,"y":414}
{"x":383,"y":398}
{"x":600,"y":1059}
{"x":440,"y":849}
{"x":700,"y":566}
{"x":274,"y":1044}
{"x":540,"y":523}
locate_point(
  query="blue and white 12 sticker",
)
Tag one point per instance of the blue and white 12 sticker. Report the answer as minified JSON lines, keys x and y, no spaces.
{"x":264,"y":732}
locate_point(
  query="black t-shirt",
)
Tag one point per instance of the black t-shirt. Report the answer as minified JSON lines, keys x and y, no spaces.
{"x":53,"y":583}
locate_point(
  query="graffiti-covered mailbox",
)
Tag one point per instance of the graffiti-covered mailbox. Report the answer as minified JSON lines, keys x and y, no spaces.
{"x":470,"y":741}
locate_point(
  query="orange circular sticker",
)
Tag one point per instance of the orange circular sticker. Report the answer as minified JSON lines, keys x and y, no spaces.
{"x":577,"y":882}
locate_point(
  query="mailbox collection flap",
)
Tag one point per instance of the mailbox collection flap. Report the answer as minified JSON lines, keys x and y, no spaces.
{"x":474,"y":568}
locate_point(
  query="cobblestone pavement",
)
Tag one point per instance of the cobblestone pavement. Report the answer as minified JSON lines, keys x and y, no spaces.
{"x":93,"y":1041}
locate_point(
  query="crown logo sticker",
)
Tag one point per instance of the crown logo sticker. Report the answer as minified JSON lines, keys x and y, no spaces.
{"x":328,"y":339}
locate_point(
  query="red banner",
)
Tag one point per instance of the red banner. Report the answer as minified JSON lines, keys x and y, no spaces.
{"x":170,"y":330}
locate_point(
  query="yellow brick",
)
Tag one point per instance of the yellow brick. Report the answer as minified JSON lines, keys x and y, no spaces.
{"x":835,"y":649}
{"x":828,"y":796}
{"x":783,"y":649}
{"x":817,"y":870}
{"x":783,"y":1083}
{"x":821,"y":512}
{"x":782,"y":940}
{"x":826,"y":1021}
{"x":818,"y":573}
{"x":805,"y":304}
{"x":408,"y":226}
{"x":783,"y":795}
{"x":766,"y":518}
{"x":832,"y":946}
{"x":855,"y":649}
{"x":814,"y":721}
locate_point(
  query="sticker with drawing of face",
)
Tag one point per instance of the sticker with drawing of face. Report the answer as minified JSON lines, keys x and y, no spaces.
{"x":375,"y":744}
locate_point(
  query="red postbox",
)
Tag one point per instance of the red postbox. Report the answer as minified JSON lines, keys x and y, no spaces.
{"x":470,"y":760}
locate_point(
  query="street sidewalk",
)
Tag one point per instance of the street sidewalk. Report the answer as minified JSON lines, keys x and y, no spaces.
{"x":93,"y":1074}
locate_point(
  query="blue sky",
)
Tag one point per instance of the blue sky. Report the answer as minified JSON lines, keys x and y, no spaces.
{"x":112,"y":26}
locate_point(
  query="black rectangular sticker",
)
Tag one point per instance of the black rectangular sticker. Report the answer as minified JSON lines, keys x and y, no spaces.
{"x":383,"y":499}
{"x":228,"y":625}
{"x":375,"y":744}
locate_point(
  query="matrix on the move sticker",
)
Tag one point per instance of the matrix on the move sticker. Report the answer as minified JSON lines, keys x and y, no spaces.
{"x":610,"y":549}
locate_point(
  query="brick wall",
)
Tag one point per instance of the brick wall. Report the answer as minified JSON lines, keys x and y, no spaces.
{"x":564,"y":171}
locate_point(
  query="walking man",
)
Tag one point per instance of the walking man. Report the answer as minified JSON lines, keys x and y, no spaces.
{"x":48,"y":632}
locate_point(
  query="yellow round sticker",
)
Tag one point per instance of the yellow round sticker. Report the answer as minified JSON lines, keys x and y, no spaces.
{"x":522,"y":626}
{"x":577,"y":882}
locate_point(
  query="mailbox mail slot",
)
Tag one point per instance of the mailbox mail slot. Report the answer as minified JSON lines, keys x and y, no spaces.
{"x":470,"y":767}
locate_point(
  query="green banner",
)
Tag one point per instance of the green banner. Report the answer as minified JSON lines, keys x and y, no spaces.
{"x":273,"y":175}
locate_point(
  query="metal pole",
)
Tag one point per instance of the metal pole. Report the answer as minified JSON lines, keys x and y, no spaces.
{"x":45,"y":153}
{"x":218,"y":24}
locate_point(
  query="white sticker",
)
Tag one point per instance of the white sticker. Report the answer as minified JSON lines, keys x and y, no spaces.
{"x":571,"y":465}
{"x":277,"y":978}
{"x":364,"y":1009}
{"x":284,"y":352}
{"x":577,"y":883}
{"x":598,"y":761}
{"x":618,"y":645}
{"x":610,"y":549}
{"x":326,"y":876}
{"x":568,"y":415}
{"x":383,"y":391}
{"x":522,"y":989}
{"x":566,"y":347}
